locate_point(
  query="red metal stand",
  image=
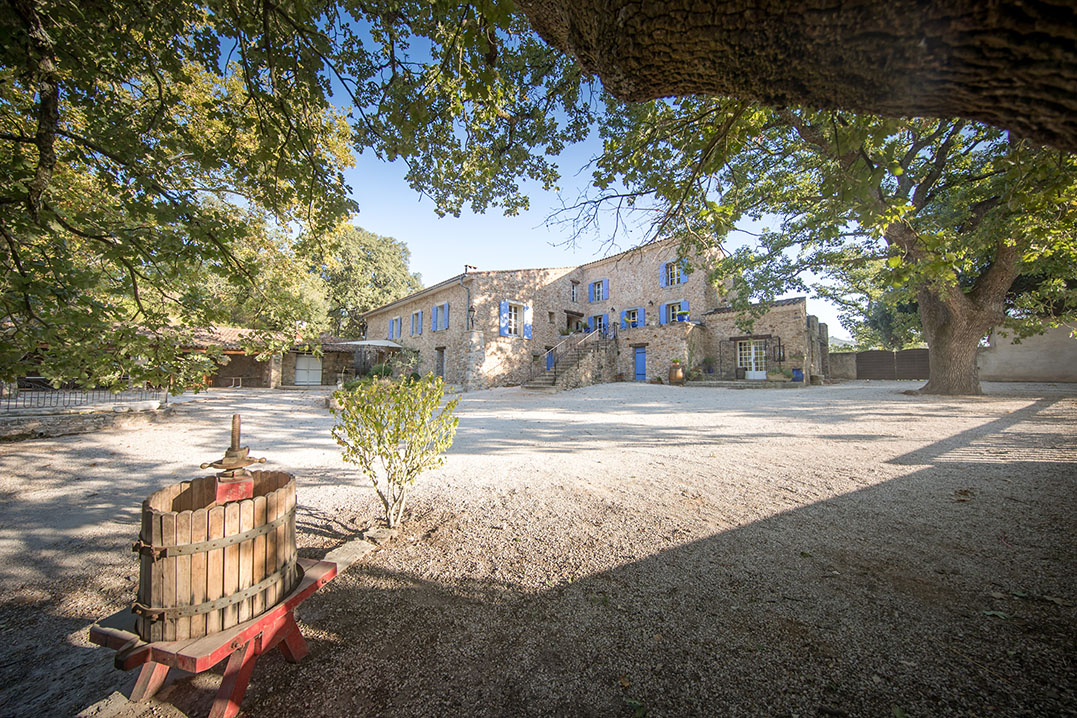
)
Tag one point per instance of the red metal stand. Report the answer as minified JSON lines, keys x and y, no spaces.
{"x":242,"y":645}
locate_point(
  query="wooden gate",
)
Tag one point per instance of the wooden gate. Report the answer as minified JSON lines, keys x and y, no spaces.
{"x":880,"y":364}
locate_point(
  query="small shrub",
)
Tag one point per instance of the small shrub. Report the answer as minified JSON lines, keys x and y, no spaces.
{"x":415,"y":376}
{"x":394,"y":432}
{"x":380,"y":370}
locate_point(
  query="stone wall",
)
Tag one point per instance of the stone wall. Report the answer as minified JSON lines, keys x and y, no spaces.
{"x":336,"y":365}
{"x":242,"y":370}
{"x":85,"y":420}
{"x":842,"y":365}
{"x":785,"y":322}
{"x":597,"y":366}
{"x":662,"y":344}
{"x":426,"y":341}
{"x":1045,"y":357}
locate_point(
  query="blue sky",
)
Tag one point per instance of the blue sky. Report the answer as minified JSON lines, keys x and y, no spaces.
{"x":440,"y":247}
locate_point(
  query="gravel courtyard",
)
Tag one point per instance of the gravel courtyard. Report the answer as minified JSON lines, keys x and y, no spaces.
{"x":618,"y":550}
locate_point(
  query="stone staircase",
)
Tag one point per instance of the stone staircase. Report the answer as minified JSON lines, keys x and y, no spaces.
{"x":547,"y":380}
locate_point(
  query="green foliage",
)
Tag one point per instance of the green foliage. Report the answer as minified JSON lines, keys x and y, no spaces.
{"x":394,"y":431}
{"x":380,"y":370}
{"x":361,"y":271}
{"x":138,"y":139}
{"x":942,"y":212}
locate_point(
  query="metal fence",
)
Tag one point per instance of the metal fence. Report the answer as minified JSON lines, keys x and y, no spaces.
{"x":38,"y":393}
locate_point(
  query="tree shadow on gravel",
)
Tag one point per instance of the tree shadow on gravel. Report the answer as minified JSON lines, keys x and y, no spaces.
{"x":941,"y":592}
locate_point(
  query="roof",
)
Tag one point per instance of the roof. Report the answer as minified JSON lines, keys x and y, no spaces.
{"x":775,"y":303}
{"x":380,"y":343}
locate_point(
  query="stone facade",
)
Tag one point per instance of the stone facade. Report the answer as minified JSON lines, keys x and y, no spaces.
{"x":335,"y":366}
{"x":790,"y":337}
{"x":648,"y":297}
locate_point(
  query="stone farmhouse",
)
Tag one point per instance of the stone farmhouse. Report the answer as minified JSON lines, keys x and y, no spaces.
{"x":627,"y":317}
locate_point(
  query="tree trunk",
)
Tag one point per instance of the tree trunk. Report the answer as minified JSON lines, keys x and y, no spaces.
{"x":1012,"y":65}
{"x":953,"y":340}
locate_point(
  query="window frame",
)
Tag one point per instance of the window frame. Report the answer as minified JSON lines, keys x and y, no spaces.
{"x":514,"y":320}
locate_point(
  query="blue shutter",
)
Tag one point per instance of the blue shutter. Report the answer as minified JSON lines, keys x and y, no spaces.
{"x":684,"y":270}
{"x":590,"y":324}
{"x":412,"y":333}
{"x":684,"y":308}
{"x":624,"y":322}
{"x":662,"y":275}
{"x":434,"y":319}
{"x":605,"y":289}
{"x":392,"y":326}
{"x":591,"y":292}
{"x":504,"y":319}
{"x":527,"y":322}
{"x":606,"y":323}
{"x":641,"y":317}
{"x":662,"y":314}
{"x":420,"y":322}
{"x":445,"y":318}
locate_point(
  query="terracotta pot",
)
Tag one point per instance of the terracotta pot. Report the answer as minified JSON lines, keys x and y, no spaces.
{"x":676,"y":374}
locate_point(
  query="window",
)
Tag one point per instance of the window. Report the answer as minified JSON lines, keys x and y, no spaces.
{"x":598,"y":323}
{"x":598,"y":290}
{"x":395,"y":328}
{"x":575,"y":291}
{"x":551,"y":316}
{"x":673,"y":273}
{"x":673,"y":312}
{"x":515,"y":320}
{"x":439,"y":317}
{"x":416,"y":323}
{"x":678,"y":311}
{"x":752,"y":355}
{"x":631,"y":319}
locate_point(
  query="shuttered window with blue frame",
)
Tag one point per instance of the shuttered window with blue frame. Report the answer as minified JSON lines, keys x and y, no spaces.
{"x":514,"y":319}
{"x":417,"y":323}
{"x":439,"y":317}
{"x":673,"y":273}
{"x":672,"y":312}
{"x":598,"y":322}
{"x":598,"y":290}
{"x":633,"y":317}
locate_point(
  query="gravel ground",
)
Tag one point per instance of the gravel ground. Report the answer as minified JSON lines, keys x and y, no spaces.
{"x":618,"y":550}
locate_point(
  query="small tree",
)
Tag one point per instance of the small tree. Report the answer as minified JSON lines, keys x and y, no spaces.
{"x":393,"y":432}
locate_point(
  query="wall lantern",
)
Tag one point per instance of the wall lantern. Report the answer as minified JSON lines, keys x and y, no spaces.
{"x":779,"y":351}
{"x":471,"y":317}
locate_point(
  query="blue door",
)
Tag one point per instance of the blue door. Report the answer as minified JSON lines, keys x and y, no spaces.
{"x":549,"y":360}
{"x":641,"y":363}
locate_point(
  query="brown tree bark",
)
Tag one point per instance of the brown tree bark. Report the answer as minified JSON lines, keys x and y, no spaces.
{"x":1009,"y":64}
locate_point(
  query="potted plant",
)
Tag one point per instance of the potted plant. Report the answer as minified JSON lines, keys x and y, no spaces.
{"x":676,"y":372}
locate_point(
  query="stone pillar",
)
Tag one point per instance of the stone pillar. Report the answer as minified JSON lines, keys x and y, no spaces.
{"x":273,"y":372}
{"x":474,"y":358}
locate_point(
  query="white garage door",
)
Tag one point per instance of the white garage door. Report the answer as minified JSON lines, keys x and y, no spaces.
{"x":308,"y":370}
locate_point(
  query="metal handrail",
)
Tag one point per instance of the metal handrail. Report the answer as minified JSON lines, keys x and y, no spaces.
{"x":559,"y":351}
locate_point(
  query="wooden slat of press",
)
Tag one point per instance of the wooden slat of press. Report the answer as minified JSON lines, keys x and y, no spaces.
{"x":157,"y":579}
{"x":145,"y":570}
{"x":215,"y":568}
{"x":183,"y":573}
{"x":282,"y":540}
{"x":246,"y":557}
{"x":230,"y":615}
{"x":272,"y":512}
{"x":291,"y":534}
{"x":258,"y":603}
{"x":168,"y":571}
{"x":184,"y":502}
{"x":199,"y":533}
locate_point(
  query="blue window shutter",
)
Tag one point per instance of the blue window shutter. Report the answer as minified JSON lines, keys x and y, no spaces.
{"x":641,"y":318}
{"x":684,"y":270}
{"x":445,"y":319}
{"x":504,"y":319}
{"x":606,"y":322}
{"x":624,"y":322}
{"x":684,"y":308}
{"x":412,"y":325}
{"x":420,"y":322}
{"x":605,"y":289}
{"x":662,"y":314}
{"x":662,"y":275}
{"x":527,"y":322}
{"x":591,"y":292}
{"x":434,"y":319}
{"x":590,"y":324}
